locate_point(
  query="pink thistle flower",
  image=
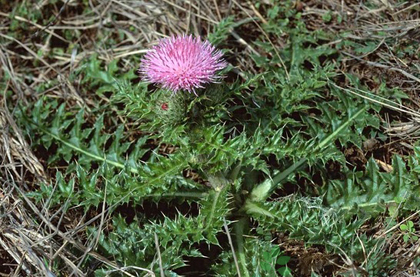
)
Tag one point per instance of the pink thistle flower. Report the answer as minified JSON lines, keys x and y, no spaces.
{"x":182,"y":63}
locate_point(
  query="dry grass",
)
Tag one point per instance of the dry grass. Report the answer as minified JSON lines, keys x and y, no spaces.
{"x":31,"y":235}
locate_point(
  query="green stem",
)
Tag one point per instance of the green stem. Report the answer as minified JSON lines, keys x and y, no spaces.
{"x":252,"y":208}
{"x":107,"y":161}
{"x":218,"y":183}
{"x":186,"y":194}
{"x":336,"y":132}
{"x":278,"y":179}
{"x":239,"y":227}
{"x":213,"y":208}
{"x":85,"y":152}
{"x":262,"y":191}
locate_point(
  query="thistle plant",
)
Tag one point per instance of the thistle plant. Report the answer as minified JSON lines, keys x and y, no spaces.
{"x":185,"y":63}
{"x":224,"y":149}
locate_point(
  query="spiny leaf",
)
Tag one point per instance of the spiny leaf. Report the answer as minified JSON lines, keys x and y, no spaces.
{"x":373,"y":190}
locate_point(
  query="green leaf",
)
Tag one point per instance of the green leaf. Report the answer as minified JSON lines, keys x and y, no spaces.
{"x":410,"y":224}
{"x":285,"y":271}
{"x":283,"y":260}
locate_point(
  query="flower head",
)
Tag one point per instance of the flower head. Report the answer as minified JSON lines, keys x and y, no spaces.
{"x":182,"y":63}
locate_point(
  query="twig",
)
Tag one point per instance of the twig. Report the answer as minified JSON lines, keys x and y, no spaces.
{"x":398,"y":225}
{"x":162,"y":274}
{"x":405,"y":110}
{"x":52,"y":22}
{"x":267,"y":37}
{"x":71,"y":240}
{"x":19,"y":18}
{"x":31,"y":52}
{"x":409,"y":75}
{"x":123,"y":270}
{"x":235,"y":259}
